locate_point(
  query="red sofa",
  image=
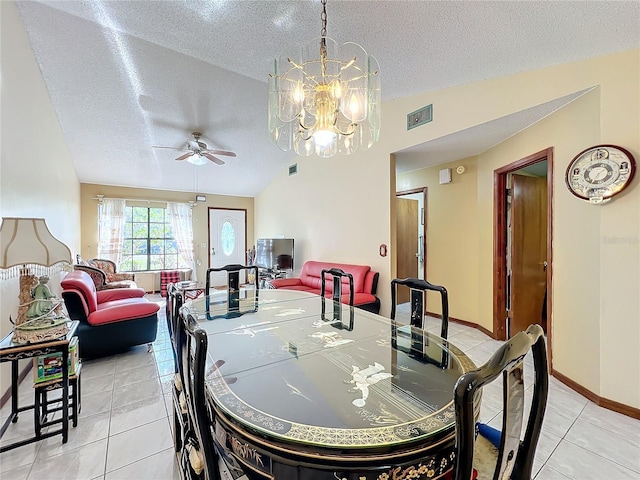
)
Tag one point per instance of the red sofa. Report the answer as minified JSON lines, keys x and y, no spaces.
{"x":110,"y":320}
{"x":365,"y":283}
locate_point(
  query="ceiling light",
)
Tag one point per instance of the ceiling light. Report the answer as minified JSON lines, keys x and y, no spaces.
{"x":328,"y":104}
{"x":197,"y":159}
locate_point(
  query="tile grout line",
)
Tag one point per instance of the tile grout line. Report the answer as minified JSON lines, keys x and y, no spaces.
{"x":106,"y":450}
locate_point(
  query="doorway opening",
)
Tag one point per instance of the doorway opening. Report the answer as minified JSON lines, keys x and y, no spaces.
{"x":522,"y":256}
{"x":411,"y":237}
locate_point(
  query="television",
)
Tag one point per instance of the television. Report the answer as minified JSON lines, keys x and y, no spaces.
{"x":274,"y":253}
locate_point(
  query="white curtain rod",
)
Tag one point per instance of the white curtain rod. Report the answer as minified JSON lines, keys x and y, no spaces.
{"x":102,"y":197}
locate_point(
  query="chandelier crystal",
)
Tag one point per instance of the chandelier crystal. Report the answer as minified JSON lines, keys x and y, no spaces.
{"x":324,"y":104}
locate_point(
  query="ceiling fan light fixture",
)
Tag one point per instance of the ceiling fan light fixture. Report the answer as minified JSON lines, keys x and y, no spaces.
{"x":198,"y":153}
{"x":328,"y":104}
{"x":197,"y":159}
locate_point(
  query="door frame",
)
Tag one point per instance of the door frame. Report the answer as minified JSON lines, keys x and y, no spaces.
{"x":209,"y":231}
{"x":424,"y":224}
{"x":500,"y":241}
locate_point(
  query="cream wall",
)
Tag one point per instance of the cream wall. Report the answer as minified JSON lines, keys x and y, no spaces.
{"x":576,"y":236}
{"x":336,"y":209}
{"x":452,"y":231}
{"x":200,"y":215}
{"x":37,"y":177}
{"x":339,"y":208}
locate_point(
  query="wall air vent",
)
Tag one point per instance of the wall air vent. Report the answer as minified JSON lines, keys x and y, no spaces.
{"x":420,"y":117}
{"x":293,"y":169}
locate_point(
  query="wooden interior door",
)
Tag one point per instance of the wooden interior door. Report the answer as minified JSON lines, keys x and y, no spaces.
{"x":407,"y":242}
{"x":528,"y":252}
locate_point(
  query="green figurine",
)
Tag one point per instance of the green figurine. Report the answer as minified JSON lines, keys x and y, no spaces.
{"x":41,"y":304}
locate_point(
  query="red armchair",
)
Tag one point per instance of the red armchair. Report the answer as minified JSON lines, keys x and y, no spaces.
{"x":110,"y":320}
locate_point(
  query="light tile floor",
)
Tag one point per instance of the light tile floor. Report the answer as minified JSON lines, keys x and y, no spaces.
{"x":124,"y":429}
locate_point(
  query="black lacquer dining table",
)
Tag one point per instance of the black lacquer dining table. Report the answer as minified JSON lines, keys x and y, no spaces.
{"x":301,"y":387}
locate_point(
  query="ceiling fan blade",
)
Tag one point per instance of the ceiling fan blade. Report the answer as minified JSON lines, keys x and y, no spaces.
{"x":213,"y":159}
{"x":185,"y":156}
{"x":222,"y":152}
{"x":170,"y":148}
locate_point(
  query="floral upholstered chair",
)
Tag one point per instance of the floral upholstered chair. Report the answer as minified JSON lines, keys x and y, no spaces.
{"x":104,"y":275}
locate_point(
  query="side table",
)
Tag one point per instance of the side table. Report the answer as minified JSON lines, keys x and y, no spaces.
{"x":190,"y":290}
{"x":13,"y":352}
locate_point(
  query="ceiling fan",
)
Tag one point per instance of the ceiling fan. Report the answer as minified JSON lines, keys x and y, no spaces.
{"x":198,"y":151}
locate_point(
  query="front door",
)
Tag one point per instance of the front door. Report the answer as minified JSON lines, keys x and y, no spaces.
{"x":528,"y":252}
{"x":227,"y":240}
{"x":407,"y":242}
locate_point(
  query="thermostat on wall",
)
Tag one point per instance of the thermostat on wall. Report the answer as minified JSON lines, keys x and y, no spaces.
{"x":445,"y":176}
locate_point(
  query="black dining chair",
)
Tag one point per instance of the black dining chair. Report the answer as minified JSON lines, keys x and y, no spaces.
{"x":236,"y":275}
{"x":418,"y":297}
{"x":172,"y":311}
{"x":513,"y":458}
{"x":337,"y":275}
{"x":198,"y":456}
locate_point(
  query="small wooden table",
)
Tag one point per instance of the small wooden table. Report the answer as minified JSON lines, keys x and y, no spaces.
{"x":13,"y":352}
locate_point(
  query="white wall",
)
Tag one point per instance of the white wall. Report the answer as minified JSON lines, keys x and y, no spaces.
{"x":37,"y":177}
{"x":339,"y":208}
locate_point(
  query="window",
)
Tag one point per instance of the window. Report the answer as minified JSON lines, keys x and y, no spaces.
{"x":149,"y":243}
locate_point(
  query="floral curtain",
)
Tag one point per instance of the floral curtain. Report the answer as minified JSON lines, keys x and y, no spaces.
{"x":182,"y":226}
{"x":111,"y":219}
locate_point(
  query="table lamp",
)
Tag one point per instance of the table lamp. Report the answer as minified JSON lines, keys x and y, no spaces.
{"x":26,"y":244}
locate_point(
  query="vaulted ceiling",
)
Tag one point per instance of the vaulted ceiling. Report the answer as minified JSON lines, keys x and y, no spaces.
{"x":126,"y":75}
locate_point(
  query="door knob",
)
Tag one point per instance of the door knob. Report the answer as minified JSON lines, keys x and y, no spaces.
{"x":213,"y":251}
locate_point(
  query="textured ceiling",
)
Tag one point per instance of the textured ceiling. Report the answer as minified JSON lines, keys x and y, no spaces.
{"x":126,"y":75}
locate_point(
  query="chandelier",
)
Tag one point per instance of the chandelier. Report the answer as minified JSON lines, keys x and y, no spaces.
{"x":324,"y":104}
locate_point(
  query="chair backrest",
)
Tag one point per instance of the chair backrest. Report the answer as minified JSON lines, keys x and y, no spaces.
{"x":515,"y":457}
{"x":98,"y":276}
{"x":339,"y":277}
{"x":233,"y":276}
{"x":167,"y":277}
{"x":284,"y":262}
{"x":418,"y":289}
{"x":79,"y":293}
{"x":172,"y":310}
{"x":192,"y":347}
{"x":234,"y":280}
{"x":107,"y":266}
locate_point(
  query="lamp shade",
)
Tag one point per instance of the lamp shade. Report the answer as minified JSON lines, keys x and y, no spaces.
{"x":28,"y":241}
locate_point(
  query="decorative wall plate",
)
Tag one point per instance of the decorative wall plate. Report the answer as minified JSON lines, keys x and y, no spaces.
{"x":600,"y":172}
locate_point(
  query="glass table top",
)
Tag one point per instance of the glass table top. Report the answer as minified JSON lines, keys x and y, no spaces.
{"x":298,"y":368}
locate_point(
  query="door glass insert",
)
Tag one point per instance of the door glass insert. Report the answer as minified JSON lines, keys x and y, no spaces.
{"x":228,"y":237}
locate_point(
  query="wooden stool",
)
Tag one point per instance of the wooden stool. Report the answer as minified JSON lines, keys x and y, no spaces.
{"x":43,"y":406}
